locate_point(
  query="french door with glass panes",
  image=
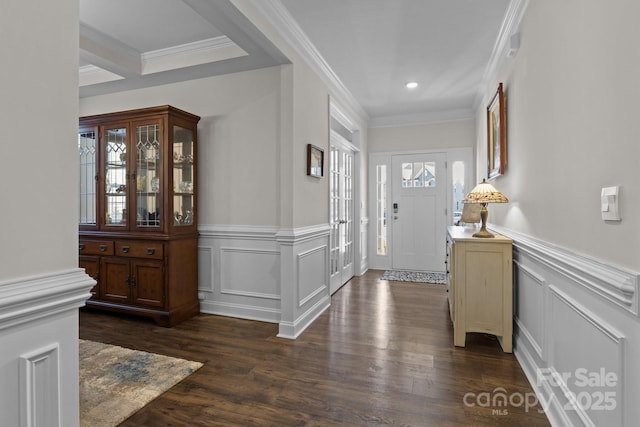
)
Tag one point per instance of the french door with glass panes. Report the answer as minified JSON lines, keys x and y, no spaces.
{"x":341,"y":216}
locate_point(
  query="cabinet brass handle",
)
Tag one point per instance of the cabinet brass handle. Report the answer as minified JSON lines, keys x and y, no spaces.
{"x":125,"y":249}
{"x":81,"y":246}
{"x":103,"y":248}
{"x":151,"y":251}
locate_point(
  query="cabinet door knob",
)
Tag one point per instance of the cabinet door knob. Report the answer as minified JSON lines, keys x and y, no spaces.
{"x":151,"y":251}
{"x":81,"y":246}
{"x":103,"y":248}
{"x":125,"y":249}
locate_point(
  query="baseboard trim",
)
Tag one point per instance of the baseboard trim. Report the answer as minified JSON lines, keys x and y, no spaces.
{"x":291,"y":330}
{"x":241,"y":311}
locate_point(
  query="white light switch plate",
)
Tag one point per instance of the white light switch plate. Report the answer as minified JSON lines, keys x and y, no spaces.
{"x":609,"y":203}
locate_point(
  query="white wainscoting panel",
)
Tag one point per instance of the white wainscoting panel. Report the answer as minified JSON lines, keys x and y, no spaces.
{"x":599,"y":356}
{"x":530,"y":307}
{"x":305,"y":267}
{"x":577,"y":333}
{"x":265,"y":273}
{"x":39,"y":348}
{"x":250,"y":272}
{"x":39,"y":382}
{"x":312,"y":274}
{"x":240,"y":272}
{"x":205,"y":271}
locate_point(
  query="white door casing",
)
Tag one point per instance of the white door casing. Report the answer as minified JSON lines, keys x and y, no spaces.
{"x":419,"y":211}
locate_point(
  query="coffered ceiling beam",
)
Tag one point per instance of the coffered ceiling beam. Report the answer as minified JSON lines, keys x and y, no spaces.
{"x":108,"y":53}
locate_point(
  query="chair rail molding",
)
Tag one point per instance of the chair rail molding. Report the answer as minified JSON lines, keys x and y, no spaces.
{"x":31,"y":298}
{"x":617,"y":285}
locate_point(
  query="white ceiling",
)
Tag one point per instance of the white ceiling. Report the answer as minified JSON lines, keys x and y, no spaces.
{"x":370,"y":47}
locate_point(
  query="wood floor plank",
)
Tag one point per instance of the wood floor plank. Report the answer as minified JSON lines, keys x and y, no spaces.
{"x":382,"y":354}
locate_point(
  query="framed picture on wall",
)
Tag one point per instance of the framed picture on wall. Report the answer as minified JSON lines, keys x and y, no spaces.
{"x":497,"y":135}
{"x":315,"y":161}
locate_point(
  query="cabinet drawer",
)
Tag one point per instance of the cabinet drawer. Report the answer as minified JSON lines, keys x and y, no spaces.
{"x":95,"y":247}
{"x":152,"y":250}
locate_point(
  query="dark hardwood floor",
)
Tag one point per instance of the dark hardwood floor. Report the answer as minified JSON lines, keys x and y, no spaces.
{"x":382,"y":354}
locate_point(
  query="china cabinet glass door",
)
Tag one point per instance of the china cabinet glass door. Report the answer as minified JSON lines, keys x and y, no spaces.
{"x":148,"y":191}
{"x":87,"y":151}
{"x":183,"y":177}
{"x":115,"y":176}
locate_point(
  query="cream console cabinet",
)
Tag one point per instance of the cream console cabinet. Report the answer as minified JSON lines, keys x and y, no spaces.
{"x":479,"y":285}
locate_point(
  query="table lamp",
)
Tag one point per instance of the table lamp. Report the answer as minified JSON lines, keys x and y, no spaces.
{"x":484,"y":193}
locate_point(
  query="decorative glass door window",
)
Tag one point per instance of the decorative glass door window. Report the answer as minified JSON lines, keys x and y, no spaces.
{"x":183,"y":177}
{"x":115,"y":179}
{"x":87,"y":152}
{"x":147,"y":178}
{"x":458,"y":177}
{"x":416,"y":175}
{"x":381,"y":209}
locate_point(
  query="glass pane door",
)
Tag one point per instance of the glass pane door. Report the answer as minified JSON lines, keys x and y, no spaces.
{"x":148,"y":185}
{"x":87,"y":144}
{"x":115,"y":177}
{"x":183,"y":177}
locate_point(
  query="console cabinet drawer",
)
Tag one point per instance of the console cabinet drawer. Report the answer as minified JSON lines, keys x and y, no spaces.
{"x":95,"y":247}
{"x":151,"y":250}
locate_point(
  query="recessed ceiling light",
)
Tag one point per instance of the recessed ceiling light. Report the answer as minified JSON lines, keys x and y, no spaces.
{"x":412,"y":85}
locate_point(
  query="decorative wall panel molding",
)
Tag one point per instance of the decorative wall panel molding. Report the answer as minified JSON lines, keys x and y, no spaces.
{"x":576,"y":318}
{"x":269,"y":274}
{"x":205,"y":269}
{"x":530,"y":307}
{"x":312,"y":274}
{"x":39,"y":387}
{"x":574,"y":359}
{"x":260,"y":281}
{"x":239,"y":274}
{"x":38,"y":355}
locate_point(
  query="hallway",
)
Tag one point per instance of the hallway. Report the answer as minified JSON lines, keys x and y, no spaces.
{"x":381,"y":355}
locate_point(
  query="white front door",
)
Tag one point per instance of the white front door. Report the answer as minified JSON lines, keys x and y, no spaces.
{"x":418,"y":211}
{"x":341,"y":216}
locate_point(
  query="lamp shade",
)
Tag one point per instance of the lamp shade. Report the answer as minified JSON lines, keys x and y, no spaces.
{"x":485,"y":193}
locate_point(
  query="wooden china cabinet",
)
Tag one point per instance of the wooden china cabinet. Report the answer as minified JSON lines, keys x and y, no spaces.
{"x":138,"y":212}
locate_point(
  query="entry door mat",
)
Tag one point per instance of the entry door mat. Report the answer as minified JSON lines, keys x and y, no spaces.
{"x":415,"y":276}
{"x":115,"y":382}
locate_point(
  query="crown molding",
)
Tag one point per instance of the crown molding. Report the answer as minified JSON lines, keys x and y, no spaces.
{"x":189,"y":48}
{"x":190,"y":54}
{"x":510,"y":24}
{"x":289,"y":29}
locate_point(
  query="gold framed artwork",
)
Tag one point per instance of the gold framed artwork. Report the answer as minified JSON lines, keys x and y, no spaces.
{"x":497,"y":135}
{"x":315,"y":161}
